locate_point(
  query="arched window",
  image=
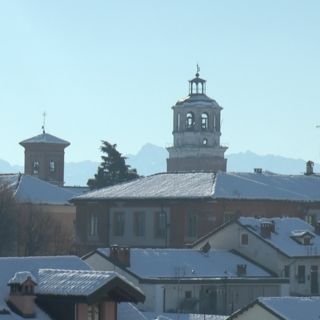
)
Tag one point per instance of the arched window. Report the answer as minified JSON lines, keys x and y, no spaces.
{"x":190,"y":121}
{"x":214,"y":122}
{"x":204,"y":122}
{"x":35,"y":167}
{"x":178,"y":121}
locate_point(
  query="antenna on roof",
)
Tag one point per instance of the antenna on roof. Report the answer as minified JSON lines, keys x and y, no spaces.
{"x":44,"y":122}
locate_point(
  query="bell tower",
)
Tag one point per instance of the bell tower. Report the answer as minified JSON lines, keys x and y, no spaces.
{"x":44,"y":157}
{"x":196,"y":132}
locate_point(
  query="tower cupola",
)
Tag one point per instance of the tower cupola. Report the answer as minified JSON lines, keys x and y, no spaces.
{"x":196,"y":132}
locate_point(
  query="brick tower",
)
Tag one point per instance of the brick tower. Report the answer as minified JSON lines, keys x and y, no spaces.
{"x":44,"y":158}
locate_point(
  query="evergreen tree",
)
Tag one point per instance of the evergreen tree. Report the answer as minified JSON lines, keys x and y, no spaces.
{"x":113,"y":168}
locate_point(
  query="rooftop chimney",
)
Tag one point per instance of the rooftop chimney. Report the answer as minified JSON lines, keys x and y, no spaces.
{"x":120,"y":254}
{"x":309,"y":167}
{"x":22,"y":293}
{"x":241,"y":270}
{"x":257,"y":170}
{"x":265,"y":229}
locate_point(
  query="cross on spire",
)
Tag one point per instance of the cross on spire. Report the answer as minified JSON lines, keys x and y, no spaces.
{"x":198,"y":69}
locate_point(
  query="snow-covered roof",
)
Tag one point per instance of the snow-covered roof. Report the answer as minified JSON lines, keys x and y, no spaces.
{"x":45,"y":138}
{"x":164,"y":185}
{"x":10,"y":266}
{"x":289,"y":308}
{"x":21,"y":277}
{"x":186,"y":263}
{"x":182,"y":316}
{"x":75,"y":282}
{"x":29,"y":189}
{"x":240,"y":185}
{"x":267,"y":186}
{"x":127,"y":311}
{"x":282,"y":238}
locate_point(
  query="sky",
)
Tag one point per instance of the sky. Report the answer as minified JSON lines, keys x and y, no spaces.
{"x":112,"y":70}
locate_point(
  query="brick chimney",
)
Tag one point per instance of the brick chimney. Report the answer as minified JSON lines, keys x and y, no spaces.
{"x":241,"y":270}
{"x":22,"y":293}
{"x":309,"y":168}
{"x":317,"y":228}
{"x":265,"y":229}
{"x":120,"y":254}
{"x":257,"y":170}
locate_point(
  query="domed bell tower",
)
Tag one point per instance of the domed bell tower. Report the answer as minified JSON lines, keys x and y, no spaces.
{"x":196,"y":132}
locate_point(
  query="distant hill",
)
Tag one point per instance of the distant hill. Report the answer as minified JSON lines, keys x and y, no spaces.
{"x":152,"y":159}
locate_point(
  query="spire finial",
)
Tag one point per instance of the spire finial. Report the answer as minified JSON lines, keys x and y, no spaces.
{"x":44,"y":122}
{"x":198,"y":69}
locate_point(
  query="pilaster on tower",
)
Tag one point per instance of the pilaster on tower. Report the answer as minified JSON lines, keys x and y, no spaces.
{"x":196,"y":132}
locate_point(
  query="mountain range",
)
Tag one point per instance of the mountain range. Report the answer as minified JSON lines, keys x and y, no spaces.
{"x":152,"y":159}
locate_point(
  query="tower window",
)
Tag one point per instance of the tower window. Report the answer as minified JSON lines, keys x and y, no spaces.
{"x":178,"y":122}
{"x":52,"y":166}
{"x":204,"y":122}
{"x":190,"y":121}
{"x":35,"y":167}
{"x":93,"y":224}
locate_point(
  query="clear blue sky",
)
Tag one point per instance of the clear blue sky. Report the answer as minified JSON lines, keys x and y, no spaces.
{"x":111,"y":71}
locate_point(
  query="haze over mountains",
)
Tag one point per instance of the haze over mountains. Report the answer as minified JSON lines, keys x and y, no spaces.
{"x":152,"y":159}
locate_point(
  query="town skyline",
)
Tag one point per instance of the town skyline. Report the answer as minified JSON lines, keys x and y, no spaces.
{"x":113,"y":71}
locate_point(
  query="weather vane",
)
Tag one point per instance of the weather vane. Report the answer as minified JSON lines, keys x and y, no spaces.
{"x":198,"y":69}
{"x":44,"y":122}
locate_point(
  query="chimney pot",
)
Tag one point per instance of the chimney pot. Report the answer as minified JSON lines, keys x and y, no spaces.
{"x":257,"y":170}
{"x":309,"y":167}
{"x":265,"y":229}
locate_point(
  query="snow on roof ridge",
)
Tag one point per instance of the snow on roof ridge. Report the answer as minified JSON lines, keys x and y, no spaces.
{"x":21,"y":277}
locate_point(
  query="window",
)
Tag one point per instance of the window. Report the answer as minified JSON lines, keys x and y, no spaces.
{"x":192,"y":225}
{"x":118,"y":224}
{"x":190,"y":122}
{"x":160,"y":224}
{"x":187,"y":294}
{"x":52,"y":166}
{"x":93,"y":225}
{"x":301,"y":274}
{"x":139,"y":221}
{"x":244,"y":239}
{"x":287,"y":271}
{"x":307,"y":241}
{"x":178,"y":122}
{"x":309,"y":219}
{"x":204,"y":122}
{"x":35,"y":167}
{"x":94,"y":312}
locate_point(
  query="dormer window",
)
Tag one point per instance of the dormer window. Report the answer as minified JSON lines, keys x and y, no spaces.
{"x":35,"y":167}
{"x":303,"y":237}
{"x":52,"y":166}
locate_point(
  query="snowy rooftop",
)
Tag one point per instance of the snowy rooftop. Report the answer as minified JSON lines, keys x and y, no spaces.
{"x":29,"y":189}
{"x":182,"y":316}
{"x":267,"y":185}
{"x":164,"y":185}
{"x":75,"y":282}
{"x":286,"y":229}
{"x":45,"y":138}
{"x":186,"y":263}
{"x":22,"y":277}
{"x":294,"y":308}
